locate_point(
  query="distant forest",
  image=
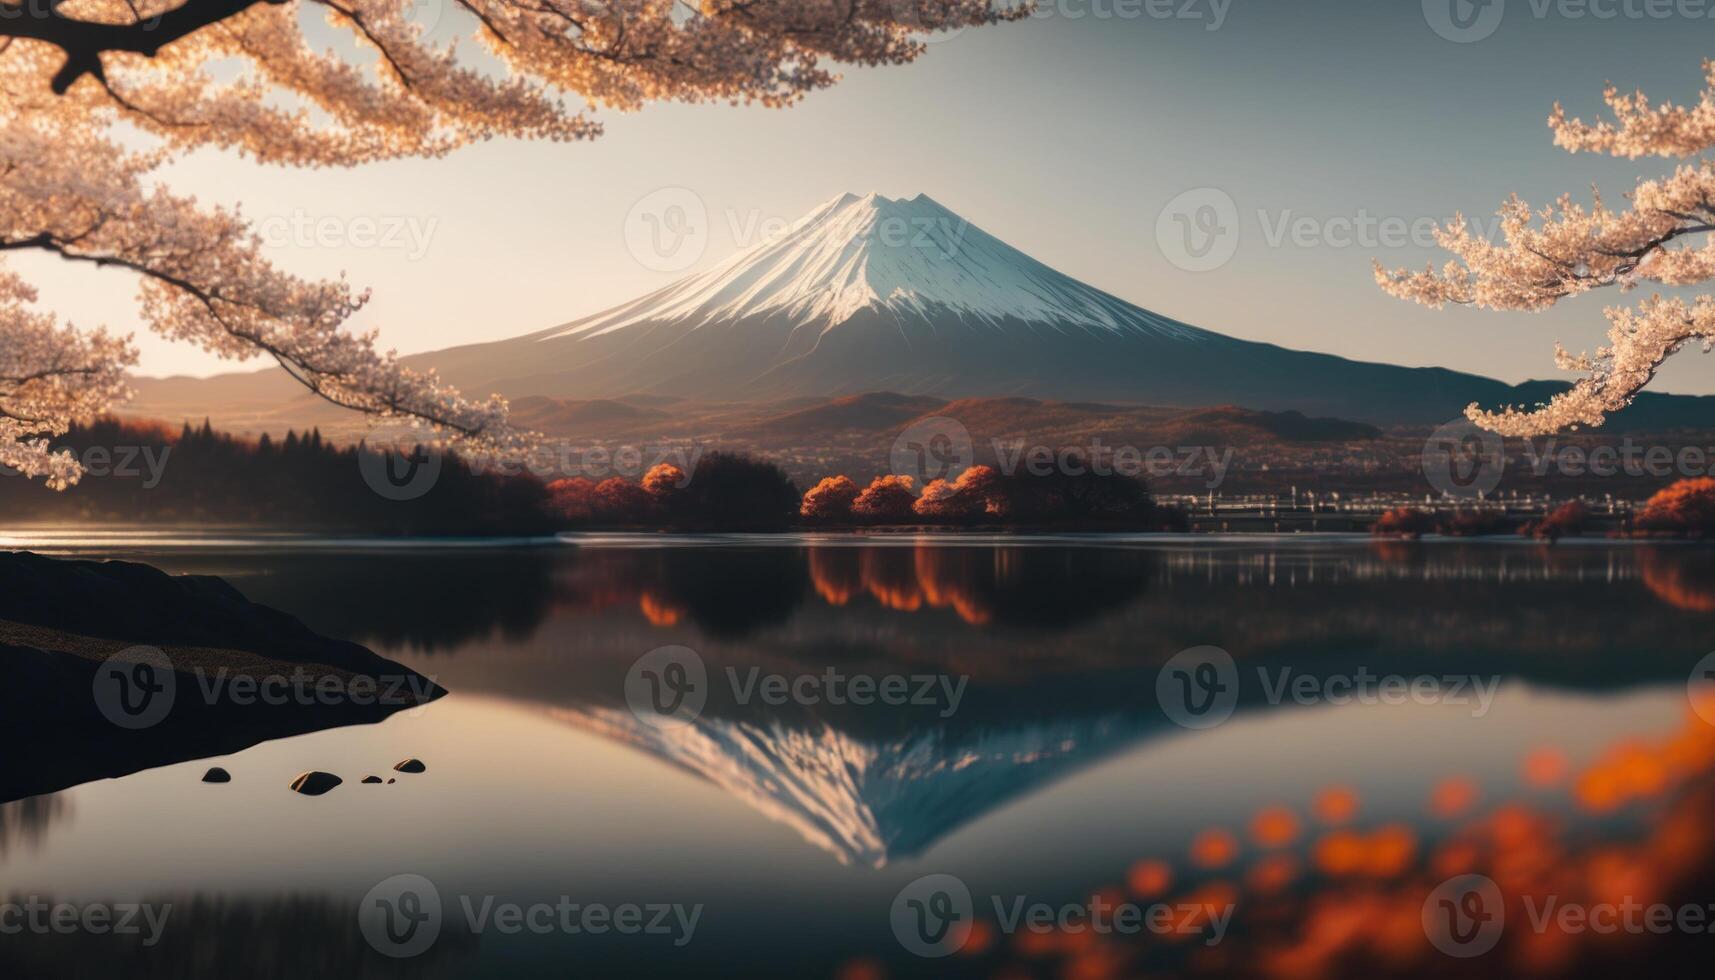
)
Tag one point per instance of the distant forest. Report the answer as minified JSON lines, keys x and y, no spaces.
{"x":142,"y":473}
{"x":145,"y":474}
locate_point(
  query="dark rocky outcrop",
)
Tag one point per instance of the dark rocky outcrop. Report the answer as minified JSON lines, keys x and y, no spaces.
{"x":194,"y":650}
{"x":411,"y":766}
{"x":217,"y":775}
{"x":315,"y":783}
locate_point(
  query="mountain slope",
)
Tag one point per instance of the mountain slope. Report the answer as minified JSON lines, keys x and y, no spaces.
{"x":870,"y":294}
{"x":873,"y":294}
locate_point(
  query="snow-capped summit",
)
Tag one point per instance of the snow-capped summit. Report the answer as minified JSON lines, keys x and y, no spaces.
{"x":854,"y":254}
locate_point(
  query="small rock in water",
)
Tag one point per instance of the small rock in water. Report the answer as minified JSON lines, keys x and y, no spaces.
{"x":391,"y":781}
{"x":217,"y":775}
{"x":372,"y":779}
{"x":411,"y":765}
{"x":315,"y":783}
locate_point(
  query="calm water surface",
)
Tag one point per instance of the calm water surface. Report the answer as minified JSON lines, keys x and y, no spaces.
{"x":1058,"y":776}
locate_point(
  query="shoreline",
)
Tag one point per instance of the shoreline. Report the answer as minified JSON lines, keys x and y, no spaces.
{"x":60,"y":540}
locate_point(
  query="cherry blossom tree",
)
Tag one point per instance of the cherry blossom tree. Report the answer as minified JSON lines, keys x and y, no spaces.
{"x":98,"y":95}
{"x":1568,"y":249}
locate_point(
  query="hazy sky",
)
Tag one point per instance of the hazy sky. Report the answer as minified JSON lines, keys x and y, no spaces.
{"x":1066,"y":136}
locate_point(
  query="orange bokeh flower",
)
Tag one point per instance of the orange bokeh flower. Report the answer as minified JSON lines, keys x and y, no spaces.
{"x":1336,"y":805}
{"x":1214,"y":849}
{"x":1274,"y":826}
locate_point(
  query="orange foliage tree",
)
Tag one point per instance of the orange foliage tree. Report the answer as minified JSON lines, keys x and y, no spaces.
{"x":887,"y":500}
{"x":1685,"y":509}
{"x":830,"y":501}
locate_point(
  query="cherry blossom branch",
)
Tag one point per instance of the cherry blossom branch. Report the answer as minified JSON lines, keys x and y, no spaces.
{"x":241,"y":75}
{"x":1567,"y":250}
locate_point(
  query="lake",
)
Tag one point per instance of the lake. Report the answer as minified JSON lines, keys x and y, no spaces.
{"x":744,"y":756}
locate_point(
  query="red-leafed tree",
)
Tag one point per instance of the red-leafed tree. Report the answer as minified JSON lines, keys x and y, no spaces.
{"x":1685,"y":509}
{"x":830,"y":501}
{"x":977,"y":494}
{"x":887,"y":500}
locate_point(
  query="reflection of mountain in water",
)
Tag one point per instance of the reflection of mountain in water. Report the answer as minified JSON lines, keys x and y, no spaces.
{"x":869,"y":801}
{"x":1061,"y":644}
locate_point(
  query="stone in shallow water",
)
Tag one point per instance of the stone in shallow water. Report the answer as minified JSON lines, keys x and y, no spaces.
{"x":217,"y":775}
{"x":411,"y":765}
{"x":315,"y":783}
{"x":372,"y":779}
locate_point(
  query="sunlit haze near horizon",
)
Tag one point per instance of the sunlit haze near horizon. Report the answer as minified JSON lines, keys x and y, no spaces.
{"x":1064,"y":136}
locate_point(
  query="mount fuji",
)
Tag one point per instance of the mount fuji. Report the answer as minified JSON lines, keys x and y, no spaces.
{"x":868,"y":294}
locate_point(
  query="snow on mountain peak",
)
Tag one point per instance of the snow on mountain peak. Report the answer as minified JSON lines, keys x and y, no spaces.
{"x":910,"y":257}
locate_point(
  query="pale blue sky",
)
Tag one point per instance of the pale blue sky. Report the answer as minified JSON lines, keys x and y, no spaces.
{"x":1065,"y":136}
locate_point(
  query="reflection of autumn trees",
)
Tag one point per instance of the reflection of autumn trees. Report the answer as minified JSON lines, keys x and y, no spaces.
{"x":1682,"y":578}
{"x":1019,"y":586}
{"x":25,"y":822}
{"x":263,"y":936}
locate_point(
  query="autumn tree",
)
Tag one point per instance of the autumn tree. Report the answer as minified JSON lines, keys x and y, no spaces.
{"x":976,"y":494}
{"x":1568,"y":249}
{"x":100,"y":95}
{"x":573,"y":499}
{"x":829,"y":501}
{"x":663,"y":482}
{"x":619,"y":501}
{"x":887,"y":500}
{"x":1684,"y":509}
